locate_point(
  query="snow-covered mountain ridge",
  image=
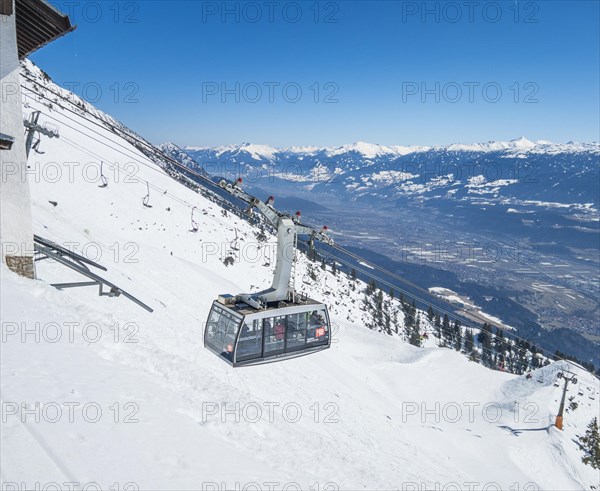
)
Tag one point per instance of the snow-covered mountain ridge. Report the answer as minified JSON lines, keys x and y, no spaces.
{"x":372,"y":150}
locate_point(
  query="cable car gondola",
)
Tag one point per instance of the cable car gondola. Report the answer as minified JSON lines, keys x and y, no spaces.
{"x":243,"y":335}
{"x":277,"y":323}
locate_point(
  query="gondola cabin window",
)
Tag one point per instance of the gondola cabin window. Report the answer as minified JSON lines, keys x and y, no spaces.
{"x":250,"y":340}
{"x":221,"y":331}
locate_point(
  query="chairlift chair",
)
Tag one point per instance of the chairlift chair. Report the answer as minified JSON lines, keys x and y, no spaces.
{"x":194,"y":224}
{"x":36,"y":146}
{"x":234,"y":243}
{"x":103,"y":179}
{"x":146,"y":199}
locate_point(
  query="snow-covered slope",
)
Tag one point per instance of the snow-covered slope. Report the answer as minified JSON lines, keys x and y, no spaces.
{"x":370,"y":413}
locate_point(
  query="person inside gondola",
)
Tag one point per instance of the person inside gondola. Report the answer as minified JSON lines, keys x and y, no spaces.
{"x":279,"y":330}
{"x":245,"y":331}
{"x":275,"y":335}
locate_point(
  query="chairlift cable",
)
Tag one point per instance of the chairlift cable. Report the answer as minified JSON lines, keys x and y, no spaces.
{"x":112,"y":128}
{"x":152,"y":166}
{"x":153,"y":186}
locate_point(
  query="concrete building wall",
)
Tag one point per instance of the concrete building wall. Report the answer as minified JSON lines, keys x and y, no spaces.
{"x":16,"y":232}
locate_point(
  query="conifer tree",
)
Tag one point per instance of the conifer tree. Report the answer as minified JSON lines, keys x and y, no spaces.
{"x":523,"y":359}
{"x":379,"y":310}
{"x":367,"y":299}
{"x":409,"y":322}
{"x":499,"y":343}
{"x":395,"y":320}
{"x":445,"y":330}
{"x":485,"y":339}
{"x":387,"y":321}
{"x":405,"y":306}
{"x":535,"y":361}
{"x":590,"y":444}
{"x":414,"y":336}
{"x":457,"y":335}
{"x":469,"y":342}
{"x":371,"y":287}
{"x":437,"y":323}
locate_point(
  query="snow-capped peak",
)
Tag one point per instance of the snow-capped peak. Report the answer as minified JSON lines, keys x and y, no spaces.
{"x":521,"y":143}
{"x":256,"y":152}
{"x":373,"y":150}
{"x":259,"y":152}
{"x":368,"y":150}
{"x":168,"y":146}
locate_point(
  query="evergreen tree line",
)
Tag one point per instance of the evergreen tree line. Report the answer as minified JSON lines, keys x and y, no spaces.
{"x":490,"y":345}
{"x":391,"y":315}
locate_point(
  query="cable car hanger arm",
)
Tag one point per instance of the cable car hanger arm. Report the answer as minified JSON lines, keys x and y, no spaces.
{"x":265,"y":208}
{"x":320,"y":235}
{"x":271,"y":214}
{"x":287,"y":230}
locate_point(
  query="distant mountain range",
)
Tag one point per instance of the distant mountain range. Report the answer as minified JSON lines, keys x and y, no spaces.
{"x":370,"y":151}
{"x":521,"y":175}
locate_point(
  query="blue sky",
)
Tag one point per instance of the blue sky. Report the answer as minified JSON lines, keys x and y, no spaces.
{"x":328,"y":73}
